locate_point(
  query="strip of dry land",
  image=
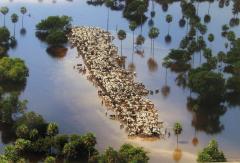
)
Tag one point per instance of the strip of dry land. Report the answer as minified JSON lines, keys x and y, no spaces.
{"x":116,"y":86}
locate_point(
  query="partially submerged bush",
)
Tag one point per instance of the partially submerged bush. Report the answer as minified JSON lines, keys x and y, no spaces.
{"x":53,"y":29}
{"x":55,"y":22}
{"x":13,"y":70}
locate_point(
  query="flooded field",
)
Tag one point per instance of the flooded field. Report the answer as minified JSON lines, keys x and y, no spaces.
{"x":61,"y":94}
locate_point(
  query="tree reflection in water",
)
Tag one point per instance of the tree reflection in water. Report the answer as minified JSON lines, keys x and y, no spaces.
{"x":206,"y":117}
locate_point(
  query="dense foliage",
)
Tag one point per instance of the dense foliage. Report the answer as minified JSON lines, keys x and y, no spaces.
{"x":13,"y":70}
{"x":135,"y":9}
{"x":56,"y":37}
{"x":211,"y":153}
{"x":127,"y":153}
{"x":32,"y":135}
{"x":208,"y":84}
{"x":54,"y":22}
{"x":4,"y":35}
{"x":53,"y":29}
{"x":4,"y":40}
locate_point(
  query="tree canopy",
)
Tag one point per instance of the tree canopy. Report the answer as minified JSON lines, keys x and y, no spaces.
{"x":4,"y":35}
{"x":211,"y":153}
{"x":13,"y":70}
{"x":208,"y":84}
{"x":53,"y":29}
{"x":54,"y":22}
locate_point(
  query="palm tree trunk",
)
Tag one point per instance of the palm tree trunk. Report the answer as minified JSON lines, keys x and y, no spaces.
{"x":14,"y":29}
{"x":132,"y":57}
{"x":197,"y":7}
{"x":22,"y":20}
{"x":166,"y":77}
{"x":177,"y":141}
{"x":200,"y":59}
{"x":209,"y":7}
{"x":107,"y":19}
{"x":193,"y":60}
{"x":168,"y":28}
{"x":121,"y":47}
{"x":133,"y":43}
{"x":89,"y":154}
{"x":4,"y":23}
{"x":153,"y":48}
{"x":153,"y":5}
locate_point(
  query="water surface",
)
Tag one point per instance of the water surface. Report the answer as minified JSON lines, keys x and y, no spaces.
{"x":59,"y":93}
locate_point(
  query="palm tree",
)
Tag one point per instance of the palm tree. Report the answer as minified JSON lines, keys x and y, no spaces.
{"x":109,"y":4}
{"x":211,"y":37}
{"x":132,"y":27}
{"x":153,"y":33}
{"x":165,"y":89}
{"x":23,"y":10}
{"x":121,"y":36}
{"x":198,"y":3}
{"x":140,"y":10}
{"x":169,"y":19}
{"x":4,"y":11}
{"x":225,"y":29}
{"x":201,"y":45}
{"x":139,"y":42}
{"x":177,"y":129}
{"x":221,"y":57}
{"x":231,"y":36}
{"x":90,"y":140}
{"x":52,"y":130}
{"x":207,"y":17}
{"x":202,"y":28}
{"x":14,"y":19}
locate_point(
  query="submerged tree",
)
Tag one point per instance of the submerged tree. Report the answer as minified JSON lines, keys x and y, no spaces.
{"x":208,"y":84}
{"x":207,"y":17}
{"x":211,"y":37}
{"x":4,"y":40}
{"x":13,"y":70}
{"x":121,"y":36}
{"x":14,"y":19}
{"x":53,"y":31}
{"x":23,"y":11}
{"x":4,"y":11}
{"x":132,"y":27}
{"x":177,"y":129}
{"x":109,"y":4}
{"x":153,"y":34}
{"x":134,"y":10}
{"x":169,"y":19}
{"x":211,"y":153}
{"x":141,"y":10}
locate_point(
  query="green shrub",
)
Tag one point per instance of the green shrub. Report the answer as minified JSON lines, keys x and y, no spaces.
{"x":13,"y":70}
{"x":54,"y":22}
{"x":211,"y":153}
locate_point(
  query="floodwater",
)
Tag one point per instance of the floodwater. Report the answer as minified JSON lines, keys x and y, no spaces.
{"x":58,"y":92}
